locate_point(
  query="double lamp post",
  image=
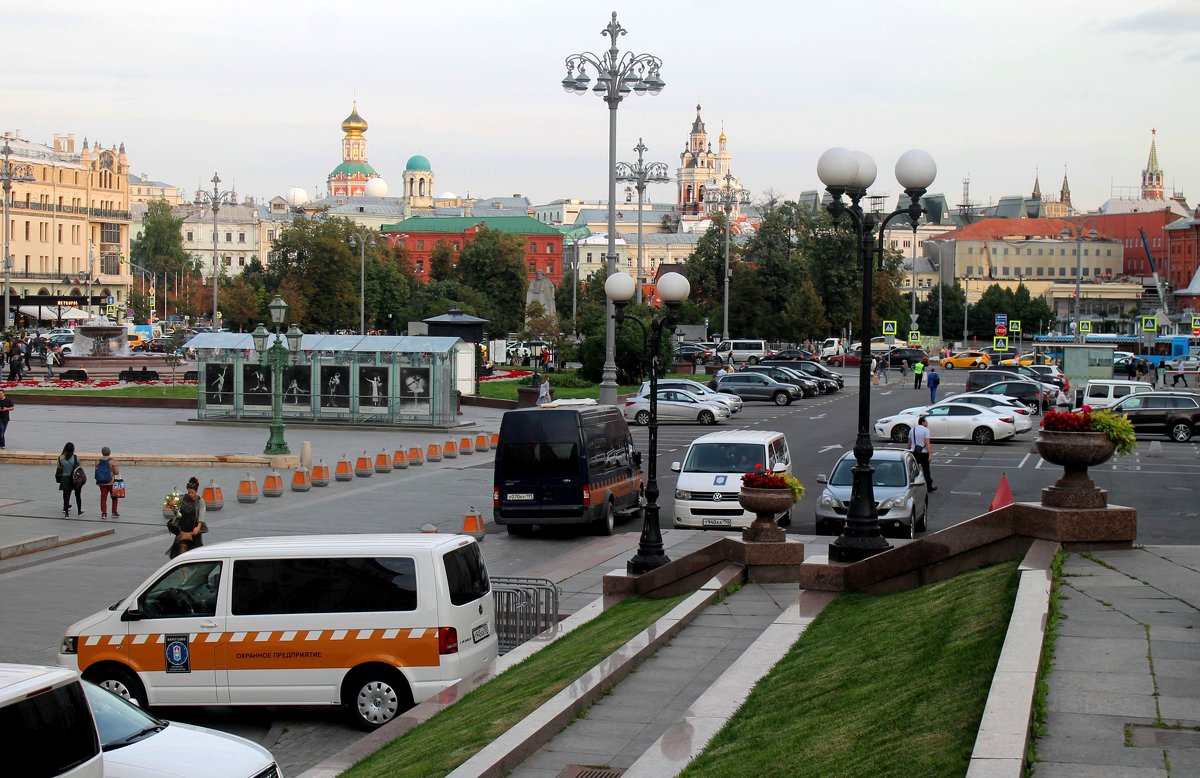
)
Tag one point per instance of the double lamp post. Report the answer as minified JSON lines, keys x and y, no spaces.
{"x":10,"y":173}
{"x":360,"y":239}
{"x":851,"y":173}
{"x":215,"y":199}
{"x":726,"y":198}
{"x":277,"y":356}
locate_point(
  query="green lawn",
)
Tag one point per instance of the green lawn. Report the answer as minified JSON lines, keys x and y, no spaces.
{"x":454,"y":735}
{"x":184,"y":392}
{"x":876,"y":686}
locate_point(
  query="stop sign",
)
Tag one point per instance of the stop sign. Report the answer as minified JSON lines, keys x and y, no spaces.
{"x":1001,"y":330}
{"x":1196,"y":332}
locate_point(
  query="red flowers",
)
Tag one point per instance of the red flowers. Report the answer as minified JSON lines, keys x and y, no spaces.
{"x":1068,"y":421}
{"x":765,"y":481}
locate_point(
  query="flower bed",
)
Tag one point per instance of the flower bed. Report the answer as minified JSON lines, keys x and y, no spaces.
{"x":58,"y":383}
{"x":500,"y":374}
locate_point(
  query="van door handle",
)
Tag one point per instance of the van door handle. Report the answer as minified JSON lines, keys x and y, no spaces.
{"x":208,"y":624}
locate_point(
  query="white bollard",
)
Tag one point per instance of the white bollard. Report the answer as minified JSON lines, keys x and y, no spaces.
{"x":306,"y":455}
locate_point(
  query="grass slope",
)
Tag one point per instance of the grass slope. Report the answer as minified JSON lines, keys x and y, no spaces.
{"x":876,"y":686}
{"x":454,"y":735}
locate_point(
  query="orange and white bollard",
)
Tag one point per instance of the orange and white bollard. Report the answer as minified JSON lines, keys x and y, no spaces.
{"x":383,"y":462}
{"x":465,"y":447}
{"x":495,"y":439}
{"x":363,"y":467}
{"x":273,"y":485}
{"x":301,"y":479}
{"x":320,"y":473}
{"x":433,"y":453}
{"x":399,"y":460}
{"x":481,"y":443}
{"x":415,"y":457}
{"x":473,"y":524}
{"x":248,"y":490}
{"x":450,"y":450}
{"x":343,"y":471}
{"x":213,"y":499}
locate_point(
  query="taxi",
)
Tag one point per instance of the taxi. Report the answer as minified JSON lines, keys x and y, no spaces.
{"x":967,"y":360}
{"x":1032,"y":358}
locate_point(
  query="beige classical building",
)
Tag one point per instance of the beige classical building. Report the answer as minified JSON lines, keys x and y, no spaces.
{"x":144,"y":190}
{"x":71,"y":222}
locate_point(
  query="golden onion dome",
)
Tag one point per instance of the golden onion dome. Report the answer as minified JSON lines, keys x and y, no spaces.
{"x":354,"y":124}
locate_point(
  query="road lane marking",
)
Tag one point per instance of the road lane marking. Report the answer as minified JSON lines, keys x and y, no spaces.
{"x":1024,"y":459}
{"x":829,"y":448}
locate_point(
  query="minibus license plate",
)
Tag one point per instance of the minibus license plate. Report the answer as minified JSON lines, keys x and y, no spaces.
{"x":520,"y":495}
{"x":480,"y":632}
{"x":716,"y":522}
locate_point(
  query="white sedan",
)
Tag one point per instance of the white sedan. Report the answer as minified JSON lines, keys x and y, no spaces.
{"x":676,"y":405}
{"x":997,"y":403}
{"x":951,"y":421}
{"x":702,"y":392}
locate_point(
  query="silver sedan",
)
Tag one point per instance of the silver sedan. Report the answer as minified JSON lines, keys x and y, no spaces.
{"x":676,"y":405}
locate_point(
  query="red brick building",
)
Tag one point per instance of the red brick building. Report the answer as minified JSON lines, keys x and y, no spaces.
{"x":1183,"y":252}
{"x":419,"y":234}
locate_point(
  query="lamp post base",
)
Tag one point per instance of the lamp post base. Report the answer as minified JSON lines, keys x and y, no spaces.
{"x":276,"y":445}
{"x":650,"y":554}
{"x":645,"y":563}
{"x":853,"y":549}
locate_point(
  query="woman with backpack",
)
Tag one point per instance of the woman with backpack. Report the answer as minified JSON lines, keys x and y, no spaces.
{"x":189,"y":524}
{"x":71,"y":478}
{"x":107,"y":471}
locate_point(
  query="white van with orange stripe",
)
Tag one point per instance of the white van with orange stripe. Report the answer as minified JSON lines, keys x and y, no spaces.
{"x":373,"y":622}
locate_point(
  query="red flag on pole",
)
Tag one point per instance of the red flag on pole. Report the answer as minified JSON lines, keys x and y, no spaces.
{"x":1003,"y":495}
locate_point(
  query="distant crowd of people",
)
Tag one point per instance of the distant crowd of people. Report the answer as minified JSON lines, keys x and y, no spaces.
{"x":18,"y":353}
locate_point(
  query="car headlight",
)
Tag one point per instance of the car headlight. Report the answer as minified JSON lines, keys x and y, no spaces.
{"x":892,"y":502}
{"x":682,"y":494}
{"x":884,"y":421}
{"x":70,"y":645}
{"x":828,"y":501}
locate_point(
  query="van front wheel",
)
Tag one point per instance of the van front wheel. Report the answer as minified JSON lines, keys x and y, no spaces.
{"x":375,"y":695}
{"x":120,"y":682}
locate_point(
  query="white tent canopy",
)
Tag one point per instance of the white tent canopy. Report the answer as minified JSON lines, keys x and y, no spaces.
{"x":53,"y":312}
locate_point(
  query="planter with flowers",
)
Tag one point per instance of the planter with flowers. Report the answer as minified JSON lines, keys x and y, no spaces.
{"x":1077,"y":441}
{"x":766,"y":495}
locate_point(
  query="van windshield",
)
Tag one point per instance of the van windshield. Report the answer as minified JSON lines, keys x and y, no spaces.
{"x":542,"y":444}
{"x":725,"y":458}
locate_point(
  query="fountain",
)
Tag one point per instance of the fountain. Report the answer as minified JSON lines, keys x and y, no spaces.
{"x":101,"y":351}
{"x":101,"y":337}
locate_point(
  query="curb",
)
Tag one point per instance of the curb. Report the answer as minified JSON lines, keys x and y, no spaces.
{"x":156,"y":460}
{"x":46,"y":542}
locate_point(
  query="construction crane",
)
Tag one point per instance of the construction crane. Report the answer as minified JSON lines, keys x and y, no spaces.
{"x":1158,"y":282}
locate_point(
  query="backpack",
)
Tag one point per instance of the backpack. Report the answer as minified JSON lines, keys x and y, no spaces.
{"x":78,"y":477}
{"x":103,"y":474}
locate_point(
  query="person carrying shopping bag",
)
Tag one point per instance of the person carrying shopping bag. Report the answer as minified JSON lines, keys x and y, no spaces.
{"x":106,"y":474}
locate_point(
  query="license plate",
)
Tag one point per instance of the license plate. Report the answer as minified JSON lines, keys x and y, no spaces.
{"x":520,"y":495}
{"x":716,"y":522}
{"x":480,"y":632}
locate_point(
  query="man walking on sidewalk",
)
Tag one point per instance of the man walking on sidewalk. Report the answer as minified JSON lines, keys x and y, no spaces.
{"x":918,"y":443}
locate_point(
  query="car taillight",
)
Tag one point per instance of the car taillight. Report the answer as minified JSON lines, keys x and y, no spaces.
{"x":587,"y":496}
{"x":629,"y":402}
{"x":447,"y":640}
{"x":1006,"y":419}
{"x":1022,"y":411}
{"x":495,"y":496}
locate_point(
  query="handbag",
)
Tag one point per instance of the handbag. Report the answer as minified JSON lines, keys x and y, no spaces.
{"x":118,"y":487}
{"x":58,"y":474}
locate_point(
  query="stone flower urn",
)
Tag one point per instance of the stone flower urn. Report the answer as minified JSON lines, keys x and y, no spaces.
{"x":1075,"y":452}
{"x":765,"y":504}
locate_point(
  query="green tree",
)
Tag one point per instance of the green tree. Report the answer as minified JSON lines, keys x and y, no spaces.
{"x":705,"y":271}
{"x":159,"y":249}
{"x":314,"y":259}
{"x":494,"y":265}
{"x":830,"y":254}
{"x":441,"y":261}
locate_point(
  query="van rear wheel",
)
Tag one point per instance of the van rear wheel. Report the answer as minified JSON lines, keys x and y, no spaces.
{"x":120,"y":682}
{"x":604,"y":525}
{"x":520,"y":530}
{"x":375,"y":695}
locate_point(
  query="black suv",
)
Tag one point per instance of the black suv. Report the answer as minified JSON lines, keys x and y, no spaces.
{"x":1174,"y":414}
{"x":786,"y":375}
{"x":814,"y":370}
{"x":910,"y":355}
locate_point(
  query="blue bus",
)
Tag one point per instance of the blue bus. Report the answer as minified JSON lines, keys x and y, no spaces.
{"x":1164,"y":346}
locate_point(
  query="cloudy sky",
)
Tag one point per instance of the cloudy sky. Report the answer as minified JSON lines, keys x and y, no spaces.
{"x":257,"y":90}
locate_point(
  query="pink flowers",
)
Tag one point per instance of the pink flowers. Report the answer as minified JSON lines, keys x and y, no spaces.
{"x":506,"y":375}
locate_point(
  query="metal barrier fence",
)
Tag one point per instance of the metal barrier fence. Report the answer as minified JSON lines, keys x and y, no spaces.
{"x":525,"y":608}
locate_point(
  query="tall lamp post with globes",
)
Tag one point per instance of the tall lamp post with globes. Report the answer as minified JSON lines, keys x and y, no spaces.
{"x":673,"y":289}
{"x":727,"y":197}
{"x":277,"y":356}
{"x":1077,"y":229}
{"x":215,"y":199}
{"x":360,"y":239}
{"x":10,"y":173}
{"x":639,"y":174}
{"x":851,"y":173}
{"x":617,"y":75}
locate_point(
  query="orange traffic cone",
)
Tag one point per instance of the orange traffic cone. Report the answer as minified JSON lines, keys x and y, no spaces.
{"x":248,"y":490}
{"x":473,"y":524}
{"x":450,"y":450}
{"x":213,"y":499}
{"x":1003,"y":494}
{"x":362,"y":466}
{"x":481,"y":443}
{"x":383,"y":462}
{"x":320,"y":473}
{"x":465,"y":447}
{"x":273,"y":485}
{"x":301,"y":480}
{"x":434,"y":453}
{"x":415,"y":456}
{"x":343,"y":471}
{"x":399,"y":460}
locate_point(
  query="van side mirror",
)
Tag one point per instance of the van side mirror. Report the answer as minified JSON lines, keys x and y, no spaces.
{"x":133,"y":614}
{"x":779,"y":467}
{"x":822,"y":478}
{"x":637,"y":459}
{"x":676,"y":467}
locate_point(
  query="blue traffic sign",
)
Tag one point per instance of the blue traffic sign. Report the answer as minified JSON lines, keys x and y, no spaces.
{"x":1001,"y":318}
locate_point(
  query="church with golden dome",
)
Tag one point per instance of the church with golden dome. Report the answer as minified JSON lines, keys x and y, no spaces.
{"x":700,"y":169}
{"x":355,"y":177}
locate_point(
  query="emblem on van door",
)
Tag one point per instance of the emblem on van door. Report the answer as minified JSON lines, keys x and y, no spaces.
{"x":178,"y":656}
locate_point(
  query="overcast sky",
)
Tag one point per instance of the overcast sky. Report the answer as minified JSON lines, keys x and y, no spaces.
{"x":257,"y":90}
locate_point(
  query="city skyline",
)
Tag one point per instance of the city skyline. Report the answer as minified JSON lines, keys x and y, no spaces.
{"x":996,"y":93}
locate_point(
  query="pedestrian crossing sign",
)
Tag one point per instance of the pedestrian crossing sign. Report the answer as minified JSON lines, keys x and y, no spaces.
{"x":1085,"y":325}
{"x":1000,"y":343}
{"x":889,"y":327}
{"x":1149,"y":324}
{"x":914,"y":336}
{"x":1195,"y":322}
{"x":111,"y":310}
{"x":1014,"y":325}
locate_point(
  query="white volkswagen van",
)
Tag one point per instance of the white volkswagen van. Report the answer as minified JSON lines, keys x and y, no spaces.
{"x":710,"y":476}
{"x":373,"y":622}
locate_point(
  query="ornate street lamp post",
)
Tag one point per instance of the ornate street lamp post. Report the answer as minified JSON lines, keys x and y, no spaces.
{"x":673,"y":289}
{"x":727,"y":197}
{"x":360,"y":239}
{"x":277,"y":356}
{"x":1076,"y":228}
{"x":851,"y":173}
{"x":215,"y":199}
{"x":641,"y":173}
{"x":10,"y":173}
{"x":617,"y":75}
